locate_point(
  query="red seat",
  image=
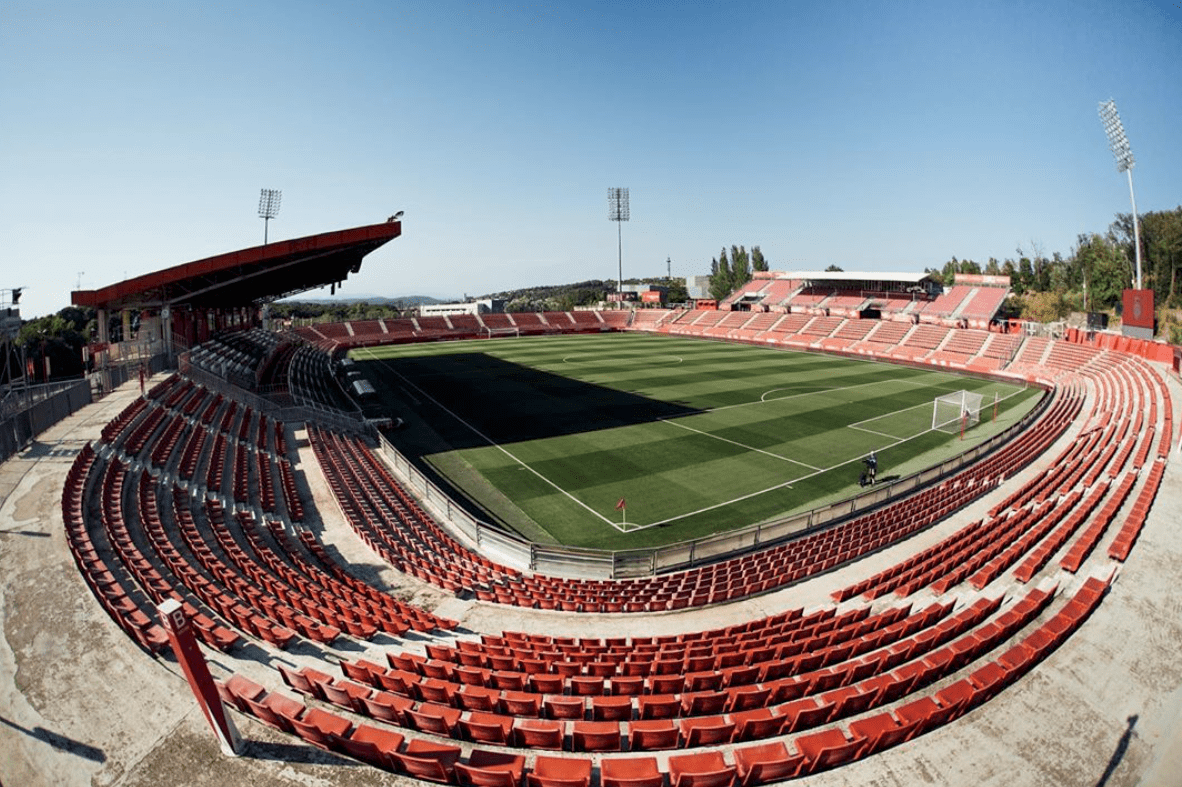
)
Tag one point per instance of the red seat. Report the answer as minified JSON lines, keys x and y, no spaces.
{"x":701,"y":769}
{"x":595,"y":736}
{"x":850,"y":700}
{"x":756,"y":724}
{"x":662,"y":706}
{"x":563,"y":707}
{"x":541,"y":683}
{"x":828,"y":748}
{"x":765,"y":763}
{"x":491,"y":769}
{"x":278,"y":710}
{"x":520,"y":703}
{"x":582,"y":686}
{"x":630,"y":772}
{"x":384,"y":706}
{"x":747,"y":697}
{"x":477,"y":698}
{"x":559,"y":772}
{"x":652,"y":735}
{"x":706,"y":731}
{"x":629,"y":686}
{"x":316,"y":725}
{"x":369,"y":744}
{"x":241,"y":688}
{"x":805,"y":713}
{"x":703,"y":703}
{"x":538,"y":733}
{"x":436,"y":690}
{"x":611,"y":708}
{"x":261,"y":710}
{"x":484,"y":727}
{"x":424,"y":759}
{"x":989,"y":679}
{"x":882,"y":730}
{"x":918,"y":712}
{"x":433,"y":718}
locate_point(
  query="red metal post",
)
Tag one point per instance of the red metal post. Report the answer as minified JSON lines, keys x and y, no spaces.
{"x":192,"y":661}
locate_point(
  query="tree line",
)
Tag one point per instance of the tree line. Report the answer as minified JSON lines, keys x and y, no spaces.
{"x":1094,"y":274}
{"x":728,"y":274}
{"x":1091,"y":277}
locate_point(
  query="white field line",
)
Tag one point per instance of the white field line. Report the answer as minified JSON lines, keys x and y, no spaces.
{"x":871,"y":431}
{"x":634,"y":526}
{"x":495,"y":444}
{"x":626,"y":359}
{"x":764,"y":400}
{"x":788,"y":484}
{"x":672,"y":422}
{"x":858,"y":424}
{"x":759,"y":492}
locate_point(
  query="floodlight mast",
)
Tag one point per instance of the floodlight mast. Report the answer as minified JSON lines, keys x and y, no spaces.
{"x":617,"y":211}
{"x":269,"y":200}
{"x":1124,"y":163}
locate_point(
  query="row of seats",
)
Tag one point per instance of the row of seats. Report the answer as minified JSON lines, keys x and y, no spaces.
{"x":815,"y":695}
{"x":387,"y":518}
{"x":267,"y":593}
{"x":406,"y":739}
{"x":337,"y":337}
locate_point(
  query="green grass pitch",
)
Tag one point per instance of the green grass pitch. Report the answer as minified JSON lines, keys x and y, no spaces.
{"x":547,"y":434}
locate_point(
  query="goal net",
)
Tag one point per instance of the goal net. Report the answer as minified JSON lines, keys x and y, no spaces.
{"x":491,"y":332}
{"x":956,"y":411}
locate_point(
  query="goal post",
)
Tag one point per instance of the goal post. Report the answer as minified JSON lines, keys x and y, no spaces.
{"x":510,"y":331}
{"x":956,"y":412}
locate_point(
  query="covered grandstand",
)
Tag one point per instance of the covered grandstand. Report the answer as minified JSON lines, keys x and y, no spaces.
{"x":971,"y":300}
{"x":1002,"y":626}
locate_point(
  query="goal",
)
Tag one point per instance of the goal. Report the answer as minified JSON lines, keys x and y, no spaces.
{"x":956,"y":412}
{"x":510,"y":331}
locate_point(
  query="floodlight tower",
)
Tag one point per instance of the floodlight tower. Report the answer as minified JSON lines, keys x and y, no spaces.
{"x":617,"y":211}
{"x":1124,"y":163}
{"x":269,"y":200}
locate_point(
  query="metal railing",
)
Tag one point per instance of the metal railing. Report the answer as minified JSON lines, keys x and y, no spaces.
{"x":303,"y":412}
{"x":29,"y":412}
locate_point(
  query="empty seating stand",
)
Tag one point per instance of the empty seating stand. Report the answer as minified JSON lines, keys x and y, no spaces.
{"x":760,"y":701}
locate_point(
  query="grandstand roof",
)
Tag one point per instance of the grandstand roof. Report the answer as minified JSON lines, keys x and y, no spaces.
{"x":248,"y":276}
{"x":914,"y":278}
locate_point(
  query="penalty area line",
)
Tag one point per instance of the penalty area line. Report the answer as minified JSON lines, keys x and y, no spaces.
{"x":736,"y":442}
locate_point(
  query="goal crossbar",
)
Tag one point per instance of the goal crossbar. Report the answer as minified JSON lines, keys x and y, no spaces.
{"x":956,"y":411}
{"x":510,"y":331}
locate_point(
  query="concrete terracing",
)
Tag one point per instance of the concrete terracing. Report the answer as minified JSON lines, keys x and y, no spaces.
{"x":81,"y":704}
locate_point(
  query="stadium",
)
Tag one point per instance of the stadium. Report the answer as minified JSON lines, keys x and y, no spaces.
{"x":619,"y":547}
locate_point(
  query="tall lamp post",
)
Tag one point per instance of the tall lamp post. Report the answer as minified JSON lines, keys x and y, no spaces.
{"x":269,"y":200}
{"x":1124,"y":163}
{"x":617,"y":211}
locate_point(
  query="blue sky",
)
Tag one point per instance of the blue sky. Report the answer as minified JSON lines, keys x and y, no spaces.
{"x":873,"y":135}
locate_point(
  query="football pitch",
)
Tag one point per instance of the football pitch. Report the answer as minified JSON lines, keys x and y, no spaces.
{"x":629,"y":440}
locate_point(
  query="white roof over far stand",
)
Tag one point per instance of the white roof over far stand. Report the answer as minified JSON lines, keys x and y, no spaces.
{"x":912,"y":277}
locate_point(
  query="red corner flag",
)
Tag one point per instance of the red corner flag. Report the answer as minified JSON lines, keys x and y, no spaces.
{"x":621,"y":505}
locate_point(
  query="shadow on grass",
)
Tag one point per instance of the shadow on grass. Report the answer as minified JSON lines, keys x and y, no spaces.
{"x":512,"y":403}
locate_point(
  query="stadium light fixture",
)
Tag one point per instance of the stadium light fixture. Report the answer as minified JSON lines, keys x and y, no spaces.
{"x":617,"y":211}
{"x":1124,"y":163}
{"x":269,"y":200}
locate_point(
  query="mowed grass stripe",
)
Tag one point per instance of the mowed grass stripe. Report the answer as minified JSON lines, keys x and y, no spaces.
{"x":761,"y":419}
